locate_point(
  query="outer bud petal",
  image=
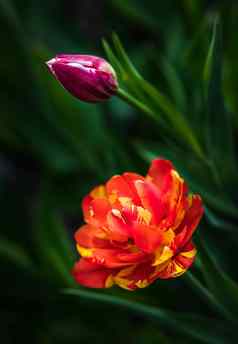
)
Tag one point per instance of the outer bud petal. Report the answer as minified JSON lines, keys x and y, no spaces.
{"x":88,"y":78}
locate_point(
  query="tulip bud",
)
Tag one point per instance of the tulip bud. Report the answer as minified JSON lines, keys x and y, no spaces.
{"x":89,"y":78}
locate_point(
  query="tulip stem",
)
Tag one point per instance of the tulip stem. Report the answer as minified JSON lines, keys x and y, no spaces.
{"x":144,"y":108}
{"x":134,"y":102}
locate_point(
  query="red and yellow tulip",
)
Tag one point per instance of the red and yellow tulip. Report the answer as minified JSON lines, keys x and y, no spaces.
{"x":138,"y":229}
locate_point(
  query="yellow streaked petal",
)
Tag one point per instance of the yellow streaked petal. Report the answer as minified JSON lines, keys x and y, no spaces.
{"x":125,"y":201}
{"x":99,"y":192}
{"x":162,"y":254}
{"x":85,"y":252}
{"x":112,"y":198}
{"x":109,"y":282}
{"x":160,"y":267}
{"x":190,"y":200}
{"x":168,"y":237}
{"x":126,"y":271}
{"x":142,"y":283}
{"x":178,"y":270}
{"x":144,"y":216}
{"x":177,"y":176}
{"x":122,"y":282}
{"x":189,"y":254}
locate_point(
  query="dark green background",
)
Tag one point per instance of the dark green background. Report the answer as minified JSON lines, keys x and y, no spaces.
{"x":54,"y":149}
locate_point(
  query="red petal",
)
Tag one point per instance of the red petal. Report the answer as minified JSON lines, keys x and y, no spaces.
{"x":86,"y":206}
{"x":151,"y":200}
{"x":147,"y":238}
{"x":176,"y":198}
{"x":119,"y":186}
{"x":119,"y":229}
{"x":96,"y":210}
{"x":172,"y":191}
{"x":131,"y":178}
{"x":190,"y":222}
{"x":90,"y":237}
{"x":115,"y":258}
{"x":91,"y":275}
{"x":159,"y":170}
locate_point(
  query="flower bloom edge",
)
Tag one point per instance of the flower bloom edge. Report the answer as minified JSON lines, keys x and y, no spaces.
{"x":138,"y":229}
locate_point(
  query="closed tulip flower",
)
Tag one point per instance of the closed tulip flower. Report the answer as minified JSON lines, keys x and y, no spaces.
{"x":138,"y":229}
{"x":88,"y":78}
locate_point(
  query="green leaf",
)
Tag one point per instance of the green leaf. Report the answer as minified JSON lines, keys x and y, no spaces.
{"x":219,"y":128}
{"x":204,"y":293}
{"x":15,"y":253}
{"x":175,"y":84}
{"x":112,"y":58}
{"x":156,"y":102}
{"x":52,"y":241}
{"x":220,"y":284}
{"x":218,"y":222}
{"x":205,"y":330}
{"x":213,"y":58}
{"x":137,"y":13}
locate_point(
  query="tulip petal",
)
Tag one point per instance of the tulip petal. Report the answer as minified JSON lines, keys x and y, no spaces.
{"x":158,"y":171}
{"x":131,"y":178}
{"x":111,"y":258}
{"x":172,"y":191}
{"x":190,"y":221}
{"x":147,"y":238}
{"x":137,"y":276}
{"x":91,"y":237}
{"x":151,"y":200}
{"x":80,"y":81}
{"x":119,"y":229}
{"x":97,"y":192}
{"x":92,"y":275}
{"x":95,"y":211}
{"x":120,"y":187}
{"x":178,"y":264}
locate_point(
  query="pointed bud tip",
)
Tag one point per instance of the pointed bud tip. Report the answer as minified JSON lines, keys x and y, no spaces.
{"x":50,"y":64}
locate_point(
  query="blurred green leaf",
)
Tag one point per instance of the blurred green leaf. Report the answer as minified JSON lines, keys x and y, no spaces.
{"x":219,"y":134}
{"x":194,"y":326}
{"x":135,"y":12}
{"x":15,"y":254}
{"x":175,"y":84}
{"x":150,"y":96}
{"x":220,"y":284}
{"x":52,"y":241}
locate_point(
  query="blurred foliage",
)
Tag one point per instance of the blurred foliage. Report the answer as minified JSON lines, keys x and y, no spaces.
{"x":54,"y":149}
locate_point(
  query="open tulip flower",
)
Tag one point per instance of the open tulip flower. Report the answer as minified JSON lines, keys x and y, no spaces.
{"x":138,"y":229}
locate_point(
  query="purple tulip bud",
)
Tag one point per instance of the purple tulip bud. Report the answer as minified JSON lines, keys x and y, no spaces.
{"x":89,"y":78}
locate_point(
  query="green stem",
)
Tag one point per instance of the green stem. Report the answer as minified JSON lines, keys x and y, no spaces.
{"x":135,"y":103}
{"x":144,"y":108}
{"x":190,"y":137}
